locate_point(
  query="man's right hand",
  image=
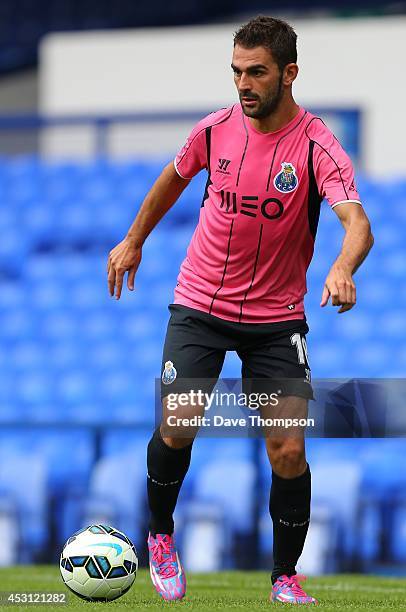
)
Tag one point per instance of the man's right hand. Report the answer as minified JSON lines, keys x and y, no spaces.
{"x":125,"y":257}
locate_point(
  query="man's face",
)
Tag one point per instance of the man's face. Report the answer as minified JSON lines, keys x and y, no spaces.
{"x":258,"y":81}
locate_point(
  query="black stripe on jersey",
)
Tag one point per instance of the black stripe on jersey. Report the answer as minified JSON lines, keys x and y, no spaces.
{"x":209,"y":181}
{"x":330,"y":156}
{"x":314,"y":198}
{"x":205,"y":128}
{"x":245,"y":149}
{"x":325,"y":125}
{"x":253,"y":273}
{"x":225,"y":267}
{"x":277,"y":145}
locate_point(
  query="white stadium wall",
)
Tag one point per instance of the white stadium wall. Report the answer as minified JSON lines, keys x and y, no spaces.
{"x":343,"y":63}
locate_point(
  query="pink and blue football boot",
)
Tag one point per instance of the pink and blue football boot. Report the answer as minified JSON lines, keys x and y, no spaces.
{"x":165,"y":568}
{"x":287,"y":589}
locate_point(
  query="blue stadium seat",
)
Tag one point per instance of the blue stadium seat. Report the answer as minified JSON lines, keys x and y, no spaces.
{"x":59,"y":324}
{"x":8,"y":217}
{"x":75,"y":222}
{"x":122,"y":440}
{"x":68,"y":454}
{"x":119,"y":481}
{"x":88,"y":293}
{"x":65,"y":354}
{"x":49,"y":295}
{"x":198,"y":522}
{"x":10,"y":530}
{"x":41,"y":268}
{"x":98,"y":323}
{"x":234,"y":496}
{"x":14,"y":247}
{"x":17,"y":323}
{"x":378,"y":459}
{"x":225,"y":451}
{"x":40,"y":221}
{"x":343,"y":501}
{"x":12,"y":295}
{"x":22,"y":471}
{"x":10,"y":408}
{"x":397,"y":535}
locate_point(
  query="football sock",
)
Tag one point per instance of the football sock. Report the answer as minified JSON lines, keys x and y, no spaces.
{"x":167,"y":467}
{"x":289,"y":506}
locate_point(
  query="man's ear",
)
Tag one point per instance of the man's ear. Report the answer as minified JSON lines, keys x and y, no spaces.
{"x":290,"y":73}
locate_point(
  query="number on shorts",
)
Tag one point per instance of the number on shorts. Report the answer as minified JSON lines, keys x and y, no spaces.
{"x":301,"y":347}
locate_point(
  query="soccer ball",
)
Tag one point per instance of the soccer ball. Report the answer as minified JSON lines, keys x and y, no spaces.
{"x":99,"y":563}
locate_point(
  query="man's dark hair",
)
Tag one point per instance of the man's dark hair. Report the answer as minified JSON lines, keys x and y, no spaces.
{"x":273,"y":34}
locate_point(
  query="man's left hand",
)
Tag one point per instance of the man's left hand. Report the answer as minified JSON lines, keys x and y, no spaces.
{"x":340,"y":286}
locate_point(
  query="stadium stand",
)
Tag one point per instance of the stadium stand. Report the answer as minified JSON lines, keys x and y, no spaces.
{"x":24,"y":22}
{"x":79,"y":366}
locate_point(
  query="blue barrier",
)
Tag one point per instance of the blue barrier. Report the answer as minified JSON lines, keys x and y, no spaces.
{"x":347,"y":124}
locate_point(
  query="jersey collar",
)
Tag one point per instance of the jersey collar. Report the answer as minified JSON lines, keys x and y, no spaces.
{"x":278,"y":133}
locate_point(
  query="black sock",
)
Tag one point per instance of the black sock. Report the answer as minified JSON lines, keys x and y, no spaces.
{"x":289,"y":506}
{"x":167,"y":467}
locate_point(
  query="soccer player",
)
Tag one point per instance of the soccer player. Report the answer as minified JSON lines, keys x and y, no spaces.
{"x":270,"y":163}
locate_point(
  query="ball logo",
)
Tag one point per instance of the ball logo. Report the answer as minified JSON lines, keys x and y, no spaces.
{"x":116,"y":547}
{"x":286,"y":180}
{"x":169,"y":373}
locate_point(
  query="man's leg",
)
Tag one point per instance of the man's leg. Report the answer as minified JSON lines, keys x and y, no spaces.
{"x":289,"y":501}
{"x":168,"y":459}
{"x":193,"y":356}
{"x":278,"y":364}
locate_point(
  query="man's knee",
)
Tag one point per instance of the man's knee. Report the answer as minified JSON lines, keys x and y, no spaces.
{"x":175,"y":442}
{"x":180,"y":421}
{"x":286,"y":454}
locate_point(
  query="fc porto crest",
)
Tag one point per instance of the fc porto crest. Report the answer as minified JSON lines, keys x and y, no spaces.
{"x":169,"y":374}
{"x":286,"y":180}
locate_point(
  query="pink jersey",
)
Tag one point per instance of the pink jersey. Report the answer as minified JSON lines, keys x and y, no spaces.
{"x":249,"y":254}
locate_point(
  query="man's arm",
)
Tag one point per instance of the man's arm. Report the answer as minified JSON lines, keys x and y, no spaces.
{"x":126,"y":256}
{"x":358,"y":241}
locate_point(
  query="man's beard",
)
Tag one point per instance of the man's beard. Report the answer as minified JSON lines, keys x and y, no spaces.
{"x":267,"y":106}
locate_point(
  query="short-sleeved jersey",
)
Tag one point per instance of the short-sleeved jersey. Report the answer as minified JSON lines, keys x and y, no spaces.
{"x":248,"y":257}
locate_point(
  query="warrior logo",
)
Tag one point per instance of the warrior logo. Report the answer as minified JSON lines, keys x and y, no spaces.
{"x":286,"y":180}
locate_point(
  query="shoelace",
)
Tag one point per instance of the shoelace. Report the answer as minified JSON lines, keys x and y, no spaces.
{"x":293,"y":583}
{"x":164,"y":556}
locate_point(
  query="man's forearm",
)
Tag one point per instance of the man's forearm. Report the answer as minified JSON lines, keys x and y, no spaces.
{"x":161,"y":197}
{"x":358,"y":241}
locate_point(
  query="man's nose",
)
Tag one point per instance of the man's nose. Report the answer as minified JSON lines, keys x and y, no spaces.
{"x":244,"y":83}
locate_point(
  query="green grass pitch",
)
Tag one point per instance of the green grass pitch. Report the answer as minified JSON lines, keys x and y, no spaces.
{"x":220,"y":591}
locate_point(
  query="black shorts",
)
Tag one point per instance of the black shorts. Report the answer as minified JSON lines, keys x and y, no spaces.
{"x":272,"y":354}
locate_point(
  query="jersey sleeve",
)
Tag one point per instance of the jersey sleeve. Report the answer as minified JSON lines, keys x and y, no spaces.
{"x":333,"y":170}
{"x":193,"y":155}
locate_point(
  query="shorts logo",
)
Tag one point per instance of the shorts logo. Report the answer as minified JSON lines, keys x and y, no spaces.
{"x":286,"y":180}
{"x":169,"y":374}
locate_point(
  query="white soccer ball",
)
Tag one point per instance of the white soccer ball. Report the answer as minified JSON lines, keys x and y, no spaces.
{"x":99,"y":563}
